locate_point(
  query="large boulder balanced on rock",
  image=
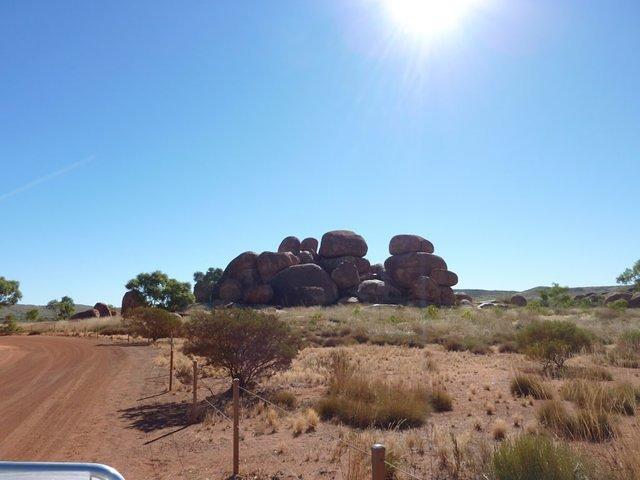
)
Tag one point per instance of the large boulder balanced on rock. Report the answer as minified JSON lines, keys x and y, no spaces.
{"x":270,"y":263}
{"x":306,"y":284}
{"x":444,"y":278}
{"x":408,"y":244}
{"x":309,"y":244}
{"x":342,"y":243}
{"x":289,"y":244}
{"x":404,"y":268}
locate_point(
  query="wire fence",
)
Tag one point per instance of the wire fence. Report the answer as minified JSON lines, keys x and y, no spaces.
{"x":379,"y":465}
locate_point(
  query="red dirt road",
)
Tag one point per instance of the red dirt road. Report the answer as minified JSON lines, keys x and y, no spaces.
{"x":61,"y":400}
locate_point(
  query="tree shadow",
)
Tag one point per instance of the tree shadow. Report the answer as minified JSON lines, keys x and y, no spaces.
{"x":149,"y":418}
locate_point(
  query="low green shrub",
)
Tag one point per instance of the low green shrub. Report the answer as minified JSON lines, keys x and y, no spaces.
{"x":589,"y":424}
{"x":536,"y":457}
{"x":364,"y":403}
{"x":552,"y":342}
{"x":529,"y":386}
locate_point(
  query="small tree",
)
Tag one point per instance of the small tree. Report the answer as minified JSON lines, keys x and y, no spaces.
{"x":552,"y":342}
{"x":32,"y":315}
{"x":212,"y":276}
{"x":9,"y":326}
{"x":556,"y":297}
{"x":9,"y":292}
{"x":631,"y":276}
{"x":246,"y":343}
{"x":64,"y":307}
{"x":161,"y":291}
{"x":154,"y":323}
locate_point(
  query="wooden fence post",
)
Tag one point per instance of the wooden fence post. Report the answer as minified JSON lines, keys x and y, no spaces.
{"x":378,"y":468}
{"x":195,"y":391}
{"x":236,"y":427}
{"x":171,"y":366}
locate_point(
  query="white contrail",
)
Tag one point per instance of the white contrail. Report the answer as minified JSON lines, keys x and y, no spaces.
{"x":47,"y":177}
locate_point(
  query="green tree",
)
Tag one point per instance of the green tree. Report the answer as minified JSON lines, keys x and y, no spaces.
{"x":32,"y":315}
{"x":161,"y":291}
{"x":631,"y":276}
{"x":64,"y":307}
{"x":154,"y":323}
{"x":9,"y":292}
{"x":9,"y":326}
{"x":246,"y":343}
{"x":212,"y":276}
{"x":556,"y":297}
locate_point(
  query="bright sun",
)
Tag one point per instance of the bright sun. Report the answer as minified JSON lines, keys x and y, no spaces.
{"x":428,"y":18}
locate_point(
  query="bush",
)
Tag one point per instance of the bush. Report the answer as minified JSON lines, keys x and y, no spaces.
{"x":626,"y":353}
{"x":586,"y":424}
{"x":363,"y":403}
{"x":9,"y":326}
{"x":246,"y":343}
{"x":616,"y":399}
{"x":536,"y":457}
{"x":530,"y":386}
{"x":154,"y":323}
{"x":552,"y":342}
{"x":619,"y":305}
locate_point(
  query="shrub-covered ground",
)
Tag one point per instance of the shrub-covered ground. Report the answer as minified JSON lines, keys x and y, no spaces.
{"x":459,"y":377}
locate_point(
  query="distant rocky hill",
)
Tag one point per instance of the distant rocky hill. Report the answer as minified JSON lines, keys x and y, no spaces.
{"x":484,"y":295}
{"x":20,"y":310}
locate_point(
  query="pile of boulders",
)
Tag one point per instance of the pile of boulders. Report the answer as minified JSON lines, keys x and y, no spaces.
{"x":99,"y":310}
{"x":334,"y":270}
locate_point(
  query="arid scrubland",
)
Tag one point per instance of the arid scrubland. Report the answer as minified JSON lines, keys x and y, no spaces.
{"x":449,"y":392}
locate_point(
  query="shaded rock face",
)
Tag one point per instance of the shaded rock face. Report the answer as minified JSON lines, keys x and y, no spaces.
{"x":270,"y":263}
{"x":342,"y":243}
{"x":377,"y":291}
{"x":634,"y":301}
{"x":425,"y":288}
{"x":230,"y":290}
{"x":202,"y":291}
{"x":518,"y":301}
{"x":303,"y":273}
{"x":409,"y":244}
{"x":91,"y":313}
{"x":404,"y":268}
{"x":329,"y":264}
{"x":346,"y":275}
{"x":612,"y":297}
{"x":289,"y":244}
{"x":130,"y":301}
{"x":306,"y":284}
{"x":444,"y":278}
{"x":258,"y":295}
{"x":306,"y":256}
{"x":103,"y":309}
{"x":309,"y":244}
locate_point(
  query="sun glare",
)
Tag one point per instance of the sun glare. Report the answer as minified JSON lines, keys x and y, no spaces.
{"x":428,"y":18}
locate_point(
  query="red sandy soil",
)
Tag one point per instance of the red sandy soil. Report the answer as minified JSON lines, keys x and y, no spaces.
{"x":62,"y":399}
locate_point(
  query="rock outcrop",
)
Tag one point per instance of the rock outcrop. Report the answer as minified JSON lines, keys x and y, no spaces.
{"x":305,"y":273}
{"x":130,"y":301}
{"x":103,"y":309}
{"x":518,"y":301}
{"x":91,"y":313}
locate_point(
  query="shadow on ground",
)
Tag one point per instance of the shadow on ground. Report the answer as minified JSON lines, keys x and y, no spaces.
{"x":149,"y":418}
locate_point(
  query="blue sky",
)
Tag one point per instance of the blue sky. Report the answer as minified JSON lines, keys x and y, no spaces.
{"x":174,"y":135}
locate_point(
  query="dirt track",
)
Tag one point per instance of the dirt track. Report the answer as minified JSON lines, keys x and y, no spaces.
{"x":61,"y":398}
